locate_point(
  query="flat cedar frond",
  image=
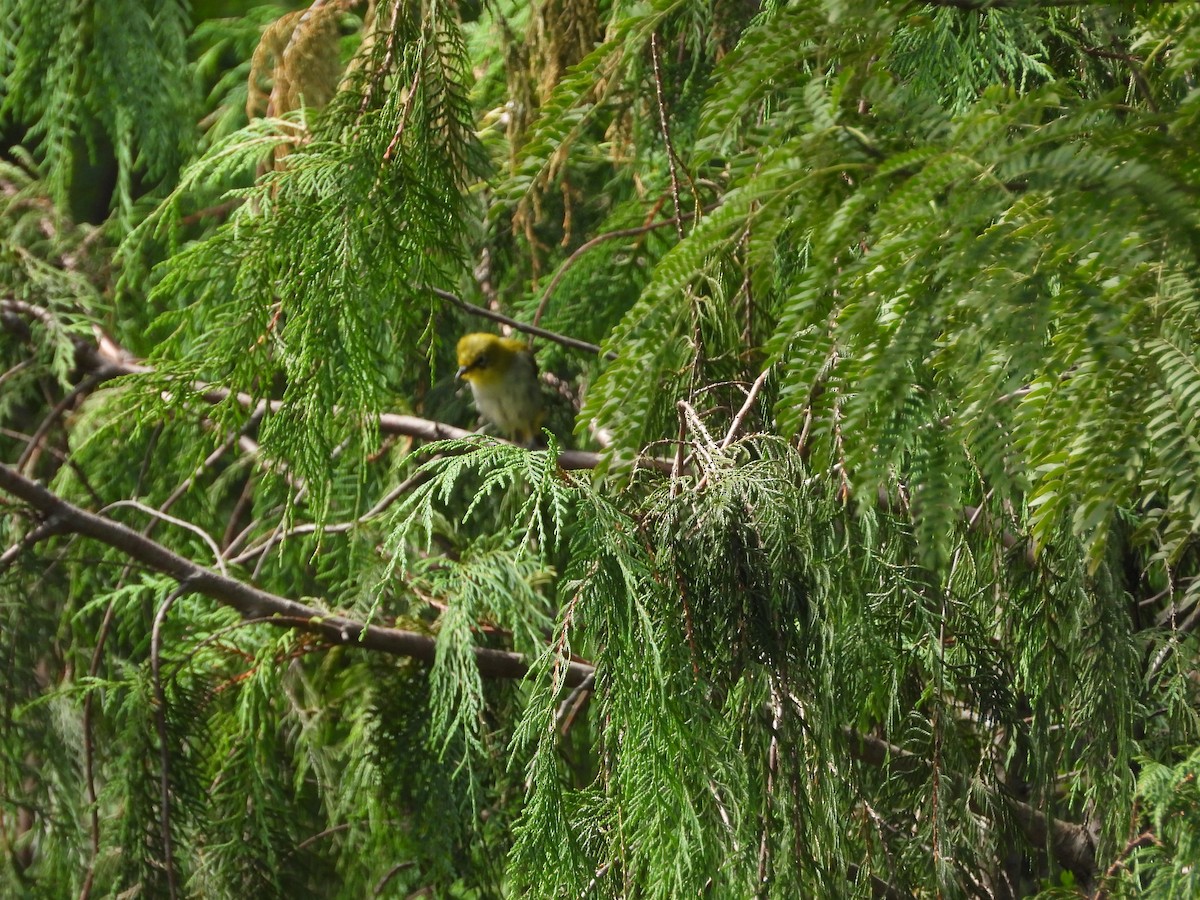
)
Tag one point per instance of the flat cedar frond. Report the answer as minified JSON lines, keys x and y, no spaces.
{"x":863,"y":559}
{"x":106,"y":70}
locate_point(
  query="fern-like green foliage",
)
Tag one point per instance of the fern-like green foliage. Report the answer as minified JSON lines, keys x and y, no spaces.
{"x":882,"y":578}
{"x":1170,"y":858}
{"x":376,"y":188}
{"x":105,"y":78}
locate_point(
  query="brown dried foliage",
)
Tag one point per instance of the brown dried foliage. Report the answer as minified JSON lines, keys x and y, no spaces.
{"x":297,"y":63}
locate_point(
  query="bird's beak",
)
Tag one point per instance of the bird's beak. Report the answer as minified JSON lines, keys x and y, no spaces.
{"x":462,"y":370}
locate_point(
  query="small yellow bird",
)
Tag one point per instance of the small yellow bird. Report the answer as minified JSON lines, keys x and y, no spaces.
{"x":504,"y":381}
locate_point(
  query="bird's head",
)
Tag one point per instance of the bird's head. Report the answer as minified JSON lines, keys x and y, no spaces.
{"x":484,"y":359}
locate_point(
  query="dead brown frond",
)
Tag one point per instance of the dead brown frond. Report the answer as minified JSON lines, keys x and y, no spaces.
{"x":297,"y":63}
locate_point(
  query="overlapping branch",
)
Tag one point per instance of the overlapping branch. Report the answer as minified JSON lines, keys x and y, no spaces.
{"x":62,"y":517}
{"x":103,"y":360}
{"x":100,"y":359}
{"x":1073,"y":845}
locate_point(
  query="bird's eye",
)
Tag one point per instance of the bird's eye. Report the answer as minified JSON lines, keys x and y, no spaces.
{"x":481,"y":361}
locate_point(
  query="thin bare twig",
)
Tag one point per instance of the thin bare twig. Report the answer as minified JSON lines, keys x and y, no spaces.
{"x":1145,"y":839}
{"x":569,"y":708}
{"x":596,"y":241}
{"x":212,"y":212}
{"x":391,"y":873}
{"x":278,"y":537}
{"x":63,"y":458}
{"x":89,"y":381}
{"x":736,"y":425}
{"x":194,"y":529}
{"x":211,"y":460}
{"x":14,"y":371}
{"x":25,"y":310}
{"x":33,"y":536}
{"x":502,"y":319}
{"x":656,"y":60}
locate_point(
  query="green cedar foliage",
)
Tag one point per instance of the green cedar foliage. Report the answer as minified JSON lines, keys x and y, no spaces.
{"x":103,"y":78}
{"x":886,"y":572}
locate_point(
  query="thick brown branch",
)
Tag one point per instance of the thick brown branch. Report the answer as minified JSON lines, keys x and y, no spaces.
{"x":249,"y":600}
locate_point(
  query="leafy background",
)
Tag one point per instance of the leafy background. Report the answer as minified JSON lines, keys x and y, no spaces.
{"x":862,"y":558}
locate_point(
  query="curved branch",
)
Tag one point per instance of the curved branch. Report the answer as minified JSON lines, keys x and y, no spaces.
{"x":1072,"y":844}
{"x":180,"y":523}
{"x":583,"y":248}
{"x":251,"y":601}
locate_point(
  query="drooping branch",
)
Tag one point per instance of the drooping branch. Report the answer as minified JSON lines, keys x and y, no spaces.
{"x":1072,"y":844}
{"x":62,"y":517}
